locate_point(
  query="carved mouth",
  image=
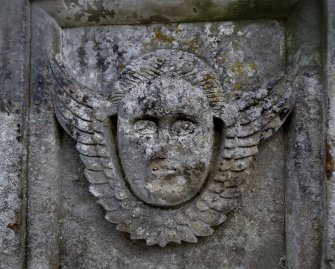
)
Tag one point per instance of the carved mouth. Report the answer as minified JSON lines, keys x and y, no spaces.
{"x":163,"y":171}
{"x":160,"y":167}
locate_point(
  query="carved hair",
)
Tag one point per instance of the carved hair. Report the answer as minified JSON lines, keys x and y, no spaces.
{"x":181,"y":65}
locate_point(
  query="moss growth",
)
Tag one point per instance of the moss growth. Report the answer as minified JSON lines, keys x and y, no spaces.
{"x":237,"y":86}
{"x":192,"y":43}
{"x":252,"y":66}
{"x":223,"y":58}
{"x":121,"y":66}
{"x":237,"y":68}
{"x":216,"y":98}
{"x":160,"y":37}
{"x":210,"y":77}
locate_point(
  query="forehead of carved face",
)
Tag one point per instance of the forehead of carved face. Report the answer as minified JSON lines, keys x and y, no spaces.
{"x":165,"y":140}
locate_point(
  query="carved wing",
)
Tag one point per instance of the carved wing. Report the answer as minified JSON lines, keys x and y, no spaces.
{"x":75,"y":107}
{"x":256,"y":116}
{"x":261,"y":113}
{"x":84,"y":115}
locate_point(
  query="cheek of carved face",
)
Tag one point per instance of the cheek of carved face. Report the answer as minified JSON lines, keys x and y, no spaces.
{"x":165,"y":139}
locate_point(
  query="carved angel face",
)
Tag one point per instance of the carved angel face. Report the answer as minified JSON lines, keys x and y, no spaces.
{"x":165,"y":139}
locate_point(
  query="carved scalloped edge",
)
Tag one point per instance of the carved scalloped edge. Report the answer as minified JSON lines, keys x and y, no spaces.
{"x":156,"y":226}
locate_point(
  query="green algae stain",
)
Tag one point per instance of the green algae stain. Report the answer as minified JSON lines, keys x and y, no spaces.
{"x":209,"y":81}
{"x":252,"y":66}
{"x":237,"y":86}
{"x":222,"y":58}
{"x":210,"y":77}
{"x":237,"y":68}
{"x":160,"y":37}
{"x":192,"y":43}
{"x":121,"y":66}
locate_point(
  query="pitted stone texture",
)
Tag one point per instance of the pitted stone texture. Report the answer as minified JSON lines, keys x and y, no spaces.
{"x":96,"y":56}
{"x":170,"y":125}
{"x":14,"y":49}
{"x":88,"y":241}
{"x":306,"y":141}
{"x":69,"y":13}
{"x":255,"y":238}
{"x":44,"y":168}
{"x":162,"y":165}
{"x":10,"y":202}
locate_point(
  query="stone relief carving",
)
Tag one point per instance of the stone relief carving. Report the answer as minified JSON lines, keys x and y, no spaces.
{"x":167,"y":150}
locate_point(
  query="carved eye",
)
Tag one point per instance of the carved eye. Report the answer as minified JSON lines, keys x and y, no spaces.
{"x":183,"y":127}
{"x":145,"y":126}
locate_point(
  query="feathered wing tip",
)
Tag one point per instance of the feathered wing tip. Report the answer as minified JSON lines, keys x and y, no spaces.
{"x":75,"y":104}
{"x":265,"y":112}
{"x":254,"y":116}
{"x":260,"y":114}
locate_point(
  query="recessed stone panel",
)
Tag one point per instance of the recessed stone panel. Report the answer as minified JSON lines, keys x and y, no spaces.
{"x":96,"y":56}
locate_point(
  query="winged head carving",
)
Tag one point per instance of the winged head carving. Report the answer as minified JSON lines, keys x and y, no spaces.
{"x":167,"y":150}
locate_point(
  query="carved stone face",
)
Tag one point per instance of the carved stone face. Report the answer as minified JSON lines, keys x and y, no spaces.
{"x":165,"y":139}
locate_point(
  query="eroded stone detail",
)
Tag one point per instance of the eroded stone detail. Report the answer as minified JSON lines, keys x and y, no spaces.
{"x":168,"y":149}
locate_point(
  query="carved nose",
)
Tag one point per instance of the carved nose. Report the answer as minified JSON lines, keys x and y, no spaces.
{"x":159,"y":151}
{"x":160,"y":148}
{"x":164,"y":136}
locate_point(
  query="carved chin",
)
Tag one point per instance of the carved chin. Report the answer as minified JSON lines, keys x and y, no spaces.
{"x":168,"y":189}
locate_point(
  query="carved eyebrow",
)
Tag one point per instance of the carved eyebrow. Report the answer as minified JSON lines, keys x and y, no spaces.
{"x":187,"y":117}
{"x":145,"y":117}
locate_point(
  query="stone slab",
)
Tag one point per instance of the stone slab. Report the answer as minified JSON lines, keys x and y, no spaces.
{"x":14,"y":85}
{"x":78,"y":235}
{"x":66,"y":228}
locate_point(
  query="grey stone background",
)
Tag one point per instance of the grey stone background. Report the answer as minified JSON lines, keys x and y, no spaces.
{"x":48,"y":218}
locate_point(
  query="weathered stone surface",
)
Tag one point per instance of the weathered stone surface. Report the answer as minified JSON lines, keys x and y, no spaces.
{"x":10,"y":189}
{"x":44,"y":195}
{"x":96,"y":56}
{"x":165,"y":104}
{"x":69,"y":13}
{"x":14,"y":51}
{"x":286,"y":205}
{"x":79,"y":45}
{"x":306,"y":143}
{"x":252,"y":237}
{"x":329,"y":232}
{"x":304,"y":183}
